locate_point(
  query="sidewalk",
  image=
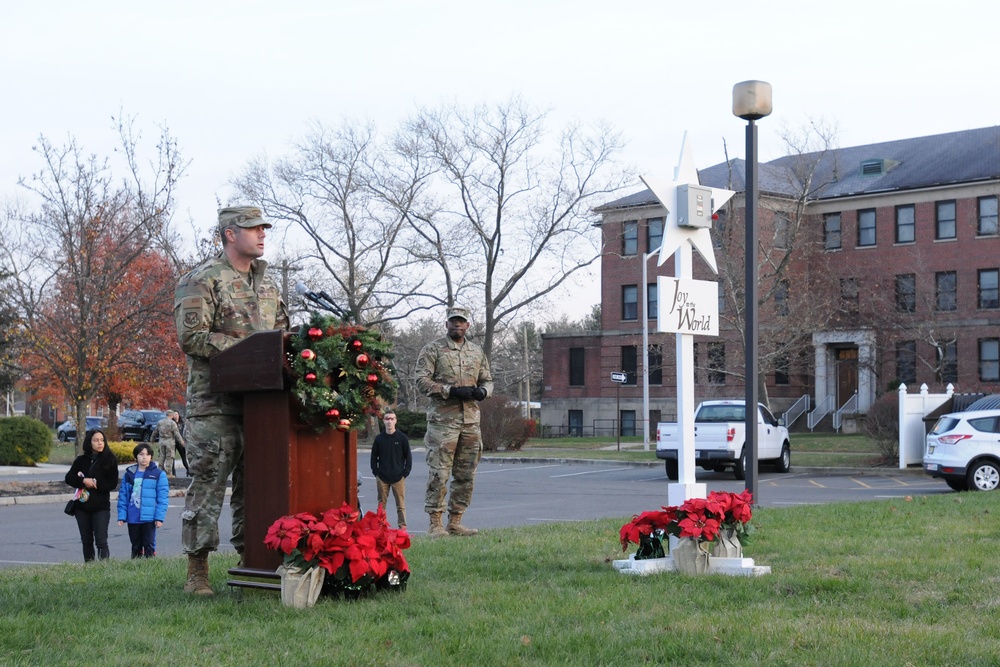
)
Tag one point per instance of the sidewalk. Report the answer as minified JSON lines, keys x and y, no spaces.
{"x":54,"y":472}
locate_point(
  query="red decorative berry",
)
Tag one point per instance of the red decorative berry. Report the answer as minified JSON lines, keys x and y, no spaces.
{"x":356,"y":345}
{"x":372,"y":378}
{"x":310,"y":377}
{"x":361,"y":360}
{"x":315,"y":333}
{"x":308,"y":355}
{"x":333,"y":414}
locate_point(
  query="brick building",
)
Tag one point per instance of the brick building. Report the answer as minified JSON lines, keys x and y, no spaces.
{"x":880,"y":264}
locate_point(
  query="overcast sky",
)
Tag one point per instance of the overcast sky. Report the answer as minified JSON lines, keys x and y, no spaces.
{"x":235,"y":79}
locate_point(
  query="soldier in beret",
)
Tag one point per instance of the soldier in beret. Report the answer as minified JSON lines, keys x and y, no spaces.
{"x":454,"y":372}
{"x":216,"y":305}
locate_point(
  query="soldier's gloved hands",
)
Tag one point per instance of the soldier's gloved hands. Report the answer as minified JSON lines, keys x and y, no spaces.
{"x":479,"y":393}
{"x":464,"y":393}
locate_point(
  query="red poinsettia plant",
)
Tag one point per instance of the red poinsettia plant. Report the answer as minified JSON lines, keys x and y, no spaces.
{"x":355,"y":551}
{"x":699,"y":518}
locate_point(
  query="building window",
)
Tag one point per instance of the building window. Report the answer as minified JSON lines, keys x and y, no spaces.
{"x":849,"y":289}
{"x":988,"y":222}
{"x":948,"y":362}
{"x":989,"y":288}
{"x":989,"y":359}
{"x":781,"y":370}
{"x":630,"y":302}
{"x":905,"y":225}
{"x":576,"y":367}
{"x":906,"y":361}
{"x":906,"y":293}
{"x":717,"y":363}
{"x":945,"y":290}
{"x":782,"y":228}
{"x":652,"y":302}
{"x":655,"y":364}
{"x":944,"y":227}
{"x":831,"y":231}
{"x":781,"y":299}
{"x":628,"y":363}
{"x":630,"y":238}
{"x":866,"y":227}
{"x":575,"y":420}
{"x":654,"y":234}
{"x":627,"y":422}
{"x":696,"y":366}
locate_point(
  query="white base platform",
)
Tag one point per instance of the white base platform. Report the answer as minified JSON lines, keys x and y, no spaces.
{"x":736,"y":567}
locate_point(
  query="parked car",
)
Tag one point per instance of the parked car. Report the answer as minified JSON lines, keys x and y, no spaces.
{"x":67,"y":430}
{"x":139,"y":424}
{"x":719,"y":436}
{"x":963,"y":449}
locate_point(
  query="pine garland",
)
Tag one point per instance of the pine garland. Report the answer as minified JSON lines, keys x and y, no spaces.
{"x":342,"y":373}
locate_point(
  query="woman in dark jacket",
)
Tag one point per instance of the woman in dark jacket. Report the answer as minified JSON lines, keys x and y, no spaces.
{"x":95,"y":474}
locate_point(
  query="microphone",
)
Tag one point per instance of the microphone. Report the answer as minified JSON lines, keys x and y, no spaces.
{"x":321,"y":300}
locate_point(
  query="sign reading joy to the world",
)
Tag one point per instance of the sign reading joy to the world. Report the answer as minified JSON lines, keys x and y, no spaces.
{"x":688,"y":306}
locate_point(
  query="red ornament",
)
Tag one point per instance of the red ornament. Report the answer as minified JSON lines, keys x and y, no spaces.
{"x":333,"y":414}
{"x":308,"y":355}
{"x":372,"y":378}
{"x":361,"y":360}
{"x":344,"y":425}
{"x":356,"y":345}
{"x":310,"y":377}
{"x":315,"y":333}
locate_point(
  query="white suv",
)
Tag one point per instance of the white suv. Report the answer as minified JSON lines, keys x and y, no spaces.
{"x":963,"y":449}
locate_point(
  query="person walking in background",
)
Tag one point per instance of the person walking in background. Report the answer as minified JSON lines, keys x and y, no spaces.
{"x":391,"y":463}
{"x":143,"y":498}
{"x":455,"y":374}
{"x":219,"y":303}
{"x":169,"y":437}
{"x":94,"y":474}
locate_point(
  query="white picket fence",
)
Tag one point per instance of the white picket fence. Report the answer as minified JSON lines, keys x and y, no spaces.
{"x":912,"y":432}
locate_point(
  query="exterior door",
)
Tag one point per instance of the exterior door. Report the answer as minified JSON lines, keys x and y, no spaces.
{"x":847,"y":375}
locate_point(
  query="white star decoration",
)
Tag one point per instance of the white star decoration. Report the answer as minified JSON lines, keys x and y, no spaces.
{"x":674,"y":236}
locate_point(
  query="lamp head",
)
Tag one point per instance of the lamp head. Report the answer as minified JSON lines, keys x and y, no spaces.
{"x":752,"y":100}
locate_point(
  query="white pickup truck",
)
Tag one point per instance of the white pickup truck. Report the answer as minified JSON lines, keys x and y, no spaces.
{"x":719,"y":436}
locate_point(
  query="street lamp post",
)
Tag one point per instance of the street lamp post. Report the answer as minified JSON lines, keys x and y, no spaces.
{"x":645,"y":350}
{"x":751,"y":102}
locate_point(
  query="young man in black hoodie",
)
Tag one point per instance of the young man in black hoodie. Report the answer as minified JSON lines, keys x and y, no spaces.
{"x":391,"y":463}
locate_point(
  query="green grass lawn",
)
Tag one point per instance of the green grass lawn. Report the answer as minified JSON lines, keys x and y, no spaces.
{"x":903,"y":582}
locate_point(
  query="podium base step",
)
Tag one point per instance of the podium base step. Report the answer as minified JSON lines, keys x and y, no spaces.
{"x":246,"y":577}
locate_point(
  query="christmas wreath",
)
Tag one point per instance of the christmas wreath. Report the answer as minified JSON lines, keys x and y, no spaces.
{"x":341,"y":373}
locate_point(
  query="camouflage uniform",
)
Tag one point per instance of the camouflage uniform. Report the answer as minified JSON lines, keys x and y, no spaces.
{"x":454,"y":442}
{"x":168,"y":435}
{"x":214,"y":308}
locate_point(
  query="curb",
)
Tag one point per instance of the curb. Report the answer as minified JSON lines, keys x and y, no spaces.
{"x":63,"y":497}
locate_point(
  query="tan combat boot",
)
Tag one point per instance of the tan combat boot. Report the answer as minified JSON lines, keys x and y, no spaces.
{"x":436,"y":529}
{"x":455,"y":527}
{"x":197,"y":581}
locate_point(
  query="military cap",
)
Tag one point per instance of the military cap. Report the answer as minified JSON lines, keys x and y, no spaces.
{"x":242,"y":216}
{"x":459,"y":311}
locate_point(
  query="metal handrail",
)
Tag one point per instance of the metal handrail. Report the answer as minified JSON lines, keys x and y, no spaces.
{"x":822,"y":410}
{"x":798,"y":408}
{"x":851,"y":407}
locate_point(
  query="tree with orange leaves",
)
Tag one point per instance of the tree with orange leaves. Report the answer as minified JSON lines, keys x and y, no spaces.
{"x":94,"y":290}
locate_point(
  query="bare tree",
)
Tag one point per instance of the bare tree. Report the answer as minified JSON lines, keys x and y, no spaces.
{"x":339,"y":188}
{"x":84,"y":307}
{"x":512,"y":204}
{"x":792,"y":302}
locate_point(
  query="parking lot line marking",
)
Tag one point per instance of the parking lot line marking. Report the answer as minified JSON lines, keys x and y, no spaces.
{"x":589,"y":472}
{"x":815,"y":483}
{"x":860,"y":483}
{"x":517,"y":468}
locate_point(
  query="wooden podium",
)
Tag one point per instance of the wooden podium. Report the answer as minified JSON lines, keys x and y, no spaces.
{"x":288,"y":466}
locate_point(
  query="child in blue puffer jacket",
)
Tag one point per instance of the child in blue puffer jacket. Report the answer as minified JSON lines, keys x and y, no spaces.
{"x":142,"y":501}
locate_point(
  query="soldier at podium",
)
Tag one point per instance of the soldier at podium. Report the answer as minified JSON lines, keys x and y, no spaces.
{"x":219,"y":303}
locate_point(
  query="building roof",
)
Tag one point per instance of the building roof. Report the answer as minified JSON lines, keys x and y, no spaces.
{"x":906,"y":164}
